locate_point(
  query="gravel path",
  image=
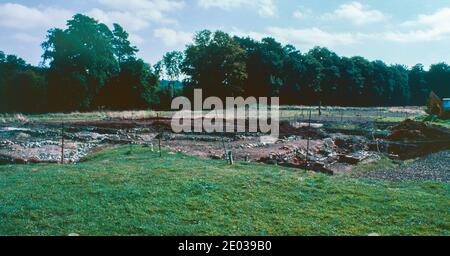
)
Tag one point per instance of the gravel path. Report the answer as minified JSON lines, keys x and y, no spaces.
{"x":434,"y":167}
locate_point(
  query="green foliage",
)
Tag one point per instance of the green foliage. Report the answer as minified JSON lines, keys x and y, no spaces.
{"x":439,"y":79}
{"x":172,"y":62}
{"x":22,"y":87}
{"x":132,"y":88}
{"x":88,"y":66}
{"x":81,"y":60}
{"x":92,"y":66}
{"x":165,"y":94}
{"x":267,"y":68}
{"x":123,"y":50}
{"x":216,"y":63}
{"x":114,"y":193}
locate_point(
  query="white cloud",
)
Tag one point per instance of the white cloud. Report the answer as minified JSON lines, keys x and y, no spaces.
{"x":136,"y":15}
{"x":302,"y":13}
{"x":413,"y":36}
{"x":127,"y":20}
{"x":357,"y":13}
{"x":265,"y":8}
{"x":150,"y":10}
{"x":305,"y":38}
{"x":135,"y":39}
{"x":26,"y":38}
{"x":19,"y":16}
{"x":173,"y":38}
{"x":431,"y":27}
{"x":154,"y":6}
{"x":252,"y":34}
{"x":311,"y":37}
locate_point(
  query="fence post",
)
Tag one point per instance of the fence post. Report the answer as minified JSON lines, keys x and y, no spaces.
{"x":320,"y":108}
{"x":159,"y":143}
{"x":230,"y":157}
{"x":160,"y":134}
{"x":62,"y":143}
{"x":309,"y":129}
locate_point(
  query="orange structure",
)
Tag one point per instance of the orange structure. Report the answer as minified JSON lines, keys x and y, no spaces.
{"x":438,"y":107}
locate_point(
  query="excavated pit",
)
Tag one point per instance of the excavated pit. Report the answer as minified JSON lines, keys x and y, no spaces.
{"x":303,"y":145}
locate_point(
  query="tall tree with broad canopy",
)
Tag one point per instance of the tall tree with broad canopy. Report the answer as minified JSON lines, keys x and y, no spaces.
{"x":82,"y":59}
{"x":216,"y":63}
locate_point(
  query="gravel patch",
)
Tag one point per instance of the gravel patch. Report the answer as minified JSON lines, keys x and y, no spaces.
{"x":434,"y":167}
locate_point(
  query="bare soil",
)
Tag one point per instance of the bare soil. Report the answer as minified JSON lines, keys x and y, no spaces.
{"x":300,"y":145}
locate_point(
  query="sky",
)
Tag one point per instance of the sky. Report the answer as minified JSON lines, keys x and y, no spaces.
{"x":395,"y":31}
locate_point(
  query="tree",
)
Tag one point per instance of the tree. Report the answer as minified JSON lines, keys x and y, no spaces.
{"x":312,"y":78}
{"x":401,"y":85}
{"x":158,"y":69}
{"x":122,"y":46}
{"x":22,"y":87}
{"x":330,"y":72}
{"x":81,"y":60}
{"x":293,"y":68}
{"x":264,"y":63}
{"x":438,"y":78}
{"x":28,"y":91}
{"x":172,"y":62}
{"x":216,"y":63}
{"x":170,"y":65}
{"x":87,"y":65}
{"x":133,"y":88}
{"x":418,"y":85}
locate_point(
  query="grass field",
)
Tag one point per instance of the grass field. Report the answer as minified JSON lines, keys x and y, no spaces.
{"x":347,"y":114}
{"x":115,"y":193}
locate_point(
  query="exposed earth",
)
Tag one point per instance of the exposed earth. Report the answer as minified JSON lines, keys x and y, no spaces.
{"x":319,"y":146}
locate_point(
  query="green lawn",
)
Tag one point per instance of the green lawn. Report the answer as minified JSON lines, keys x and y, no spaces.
{"x":115,"y":193}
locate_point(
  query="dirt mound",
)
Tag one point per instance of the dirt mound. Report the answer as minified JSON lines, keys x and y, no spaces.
{"x":414,"y":130}
{"x":412,"y":139}
{"x":287,"y":129}
{"x":162,"y":125}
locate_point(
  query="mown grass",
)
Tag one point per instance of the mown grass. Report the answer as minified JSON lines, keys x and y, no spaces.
{"x":115,"y":193}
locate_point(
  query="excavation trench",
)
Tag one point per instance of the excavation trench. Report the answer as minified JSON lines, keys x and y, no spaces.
{"x":300,"y":145}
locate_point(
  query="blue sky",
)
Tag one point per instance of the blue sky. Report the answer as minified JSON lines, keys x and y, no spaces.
{"x":395,"y":31}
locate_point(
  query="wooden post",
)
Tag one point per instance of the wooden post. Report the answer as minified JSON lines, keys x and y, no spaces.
{"x":309,"y":128}
{"x":225,"y":154}
{"x":230,"y":157}
{"x":130,"y":146}
{"x":159,"y":137}
{"x":159,"y":143}
{"x":320,"y":108}
{"x":62,"y":143}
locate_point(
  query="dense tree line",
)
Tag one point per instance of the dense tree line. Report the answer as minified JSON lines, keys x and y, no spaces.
{"x":87,"y":66}
{"x":84,"y":67}
{"x":232,"y":66}
{"x":23,"y":88}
